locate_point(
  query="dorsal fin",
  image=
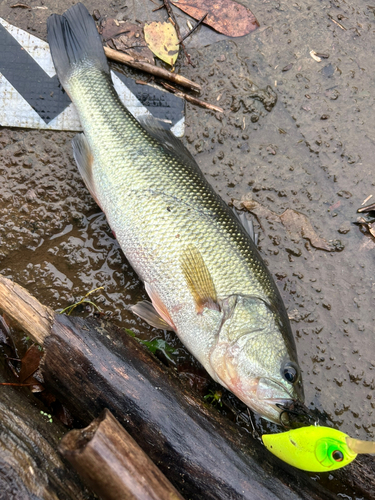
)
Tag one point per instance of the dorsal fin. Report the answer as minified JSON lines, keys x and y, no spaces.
{"x":168,"y":140}
{"x":198,"y":279}
{"x":84,"y":159}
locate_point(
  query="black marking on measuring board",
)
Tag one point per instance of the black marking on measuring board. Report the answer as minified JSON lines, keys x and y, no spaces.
{"x":162,"y":105}
{"x":44,"y":93}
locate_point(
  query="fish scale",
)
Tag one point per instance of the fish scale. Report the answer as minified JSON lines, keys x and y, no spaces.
{"x":172,"y":225}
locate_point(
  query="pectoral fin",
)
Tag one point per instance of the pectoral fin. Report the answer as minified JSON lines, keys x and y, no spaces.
{"x":198,"y":279}
{"x":147,"y":312}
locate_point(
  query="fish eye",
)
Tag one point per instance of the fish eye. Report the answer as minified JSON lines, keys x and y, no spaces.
{"x":290,"y":372}
{"x":338,"y":456}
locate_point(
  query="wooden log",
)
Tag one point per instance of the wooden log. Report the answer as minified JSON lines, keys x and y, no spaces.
{"x":113,"y":465}
{"x":30,"y":466}
{"x":92,"y":366}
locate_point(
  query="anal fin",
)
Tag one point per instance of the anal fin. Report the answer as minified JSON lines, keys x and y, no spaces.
{"x":159,"y":306}
{"x":84,"y":159}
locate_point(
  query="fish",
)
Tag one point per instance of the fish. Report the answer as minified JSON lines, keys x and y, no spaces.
{"x":316,"y":448}
{"x":202,"y":272}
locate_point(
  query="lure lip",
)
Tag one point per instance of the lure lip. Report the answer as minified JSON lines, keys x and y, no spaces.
{"x":358,"y":446}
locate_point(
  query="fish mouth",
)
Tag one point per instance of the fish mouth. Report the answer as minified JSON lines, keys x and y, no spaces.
{"x":287,"y":409}
{"x":273,"y":398}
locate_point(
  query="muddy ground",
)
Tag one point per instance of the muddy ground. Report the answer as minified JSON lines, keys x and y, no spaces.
{"x":312,"y":151}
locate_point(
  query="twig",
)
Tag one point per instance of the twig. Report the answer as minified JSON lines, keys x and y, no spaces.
{"x":369,"y":208}
{"x":194,"y":28}
{"x":153,"y":70}
{"x":366,"y":200}
{"x":168,"y":7}
{"x":191,"y":99}
{"x":336,"y":22}
{"x":158,"y":8}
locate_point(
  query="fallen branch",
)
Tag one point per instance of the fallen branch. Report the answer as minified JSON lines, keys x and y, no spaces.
{"x":153,"y":70}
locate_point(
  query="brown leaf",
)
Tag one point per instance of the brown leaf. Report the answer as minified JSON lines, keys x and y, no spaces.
{"x":224,"y":16}
{"x":128,"y":38}
{"x":298,"y":224}
{"x":30,"y":363}
{"x":258,"y":210}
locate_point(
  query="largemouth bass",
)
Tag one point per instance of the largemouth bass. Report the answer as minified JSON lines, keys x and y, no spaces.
{"x":202,"y":272}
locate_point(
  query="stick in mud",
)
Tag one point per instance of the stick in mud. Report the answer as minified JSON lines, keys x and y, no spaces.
{"x":192,"y":100}
{"x":115,"y":55}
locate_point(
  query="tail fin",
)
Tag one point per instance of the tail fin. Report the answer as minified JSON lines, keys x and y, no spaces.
{"x":74,"y":40}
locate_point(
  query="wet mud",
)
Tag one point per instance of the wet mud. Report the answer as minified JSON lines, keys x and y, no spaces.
{"x":296,"y":133}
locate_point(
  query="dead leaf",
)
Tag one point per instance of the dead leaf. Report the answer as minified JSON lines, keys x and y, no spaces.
{"x":224,"y":16}
{"x":128,"y":38}
{"x":162,"y":39}
{"x":30,"y":362}
{"x":258,"y":210}
{"x":297,"y":224}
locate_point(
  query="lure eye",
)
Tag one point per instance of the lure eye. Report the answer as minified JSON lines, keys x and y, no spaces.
{"x":290,"y":373}
{"x":337,"y":456}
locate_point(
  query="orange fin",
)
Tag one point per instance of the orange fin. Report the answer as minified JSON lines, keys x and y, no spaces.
{"x":161,"y":310}
{"x":198,"y":279}
{"x":147,"y":312}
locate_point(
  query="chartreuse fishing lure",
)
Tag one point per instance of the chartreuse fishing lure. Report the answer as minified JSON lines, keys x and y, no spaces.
{"x":316,"y":448}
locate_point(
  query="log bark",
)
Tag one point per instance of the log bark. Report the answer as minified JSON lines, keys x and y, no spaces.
{"x":30,"y":466}
{"x":33,"y":317}
{"x":111,"y":462}
{"x":91,"y":366}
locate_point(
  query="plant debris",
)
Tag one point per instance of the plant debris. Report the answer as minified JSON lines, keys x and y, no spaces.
{"x":192,"y":100}
{"x":367,"y":224}
{"x":162,"y":40}
{"x":115,"y":55}
{"x":83,"y":300}
{"x":155,"y":345}
{"x":127,"y":38}
{"x":296,"y":224}
{"x":193,"y":28}
{"x":368,"y":208}
{"x":29,"y":367}
{"x":225,"y":16}
{"x":172,"y":18}
{"x":20,"y":6}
